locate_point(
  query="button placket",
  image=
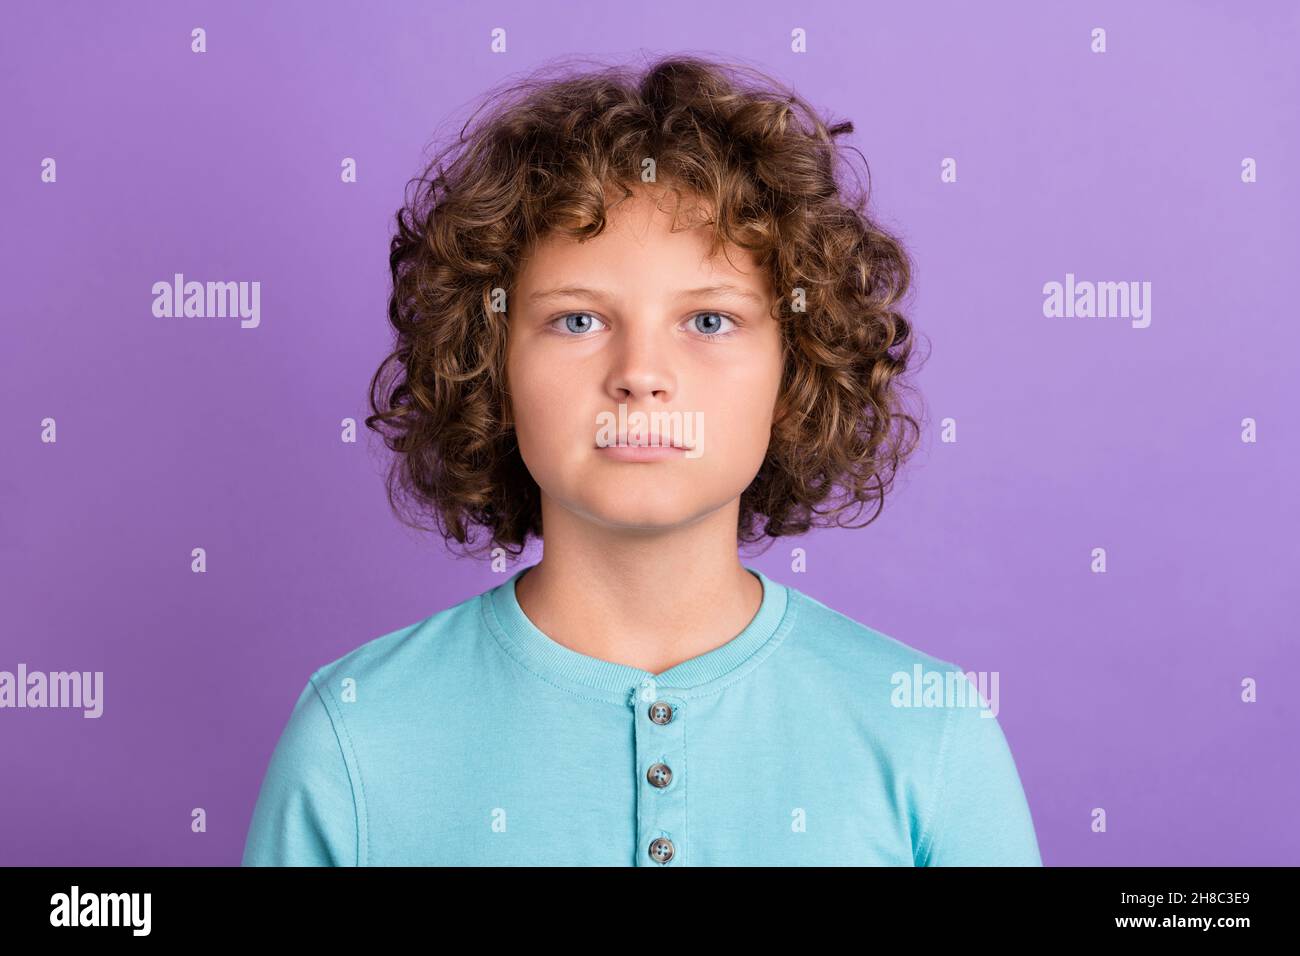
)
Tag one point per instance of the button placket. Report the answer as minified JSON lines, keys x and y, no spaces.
{"x":660,"y":725}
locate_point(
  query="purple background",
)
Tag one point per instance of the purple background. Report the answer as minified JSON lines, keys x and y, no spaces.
{"x":1118,"y":690}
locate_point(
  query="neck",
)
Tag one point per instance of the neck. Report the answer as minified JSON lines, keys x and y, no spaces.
{"x":645,"y":599}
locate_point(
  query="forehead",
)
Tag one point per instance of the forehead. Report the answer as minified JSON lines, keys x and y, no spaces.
{"x":649,"y":242}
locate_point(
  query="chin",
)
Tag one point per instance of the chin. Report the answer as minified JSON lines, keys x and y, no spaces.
{"x":639,"y":505}
{"x":642,"y":515}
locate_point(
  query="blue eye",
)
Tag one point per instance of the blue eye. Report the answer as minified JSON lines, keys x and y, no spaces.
{"x":711,"y":331}
{"x":581,"y":326}
{"x":578,"y":324}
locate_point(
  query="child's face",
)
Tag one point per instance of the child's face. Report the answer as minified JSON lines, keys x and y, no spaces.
{"x":642,"y":339}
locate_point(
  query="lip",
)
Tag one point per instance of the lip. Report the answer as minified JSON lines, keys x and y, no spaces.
{"x":641,"y":452}
{"x":643,"y":441}
{"x":653,"y":440}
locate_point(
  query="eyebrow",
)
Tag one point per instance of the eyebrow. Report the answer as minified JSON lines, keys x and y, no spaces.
{"x":574,"y":291}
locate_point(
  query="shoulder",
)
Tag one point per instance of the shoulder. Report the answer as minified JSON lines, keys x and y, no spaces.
{"x":932,"y":722}
{"x":403,"y":660}
{"x":856,"y":650}
{"x":833,"y":660}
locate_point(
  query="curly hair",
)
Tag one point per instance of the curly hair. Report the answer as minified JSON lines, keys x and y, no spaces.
{"x":765,"y":167}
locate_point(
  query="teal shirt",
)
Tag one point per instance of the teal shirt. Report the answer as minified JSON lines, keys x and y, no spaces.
{"x":472,"y":738}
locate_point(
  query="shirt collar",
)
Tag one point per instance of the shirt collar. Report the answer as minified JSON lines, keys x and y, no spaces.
{"x":607,"y":680}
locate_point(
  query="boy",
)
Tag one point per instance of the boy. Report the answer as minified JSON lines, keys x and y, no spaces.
{"x":637,"y":317}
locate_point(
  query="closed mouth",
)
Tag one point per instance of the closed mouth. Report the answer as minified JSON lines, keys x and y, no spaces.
{"x":652,"y":441}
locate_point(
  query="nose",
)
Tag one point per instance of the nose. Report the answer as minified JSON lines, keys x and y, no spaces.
{"x":641,"y":365}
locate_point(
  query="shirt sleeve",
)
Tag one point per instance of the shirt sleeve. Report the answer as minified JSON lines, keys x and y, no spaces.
{"x":305,"y":813}
{"x":981,"y":816}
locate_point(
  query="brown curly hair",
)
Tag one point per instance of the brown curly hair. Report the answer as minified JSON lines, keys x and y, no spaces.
{"x":765,"y":166}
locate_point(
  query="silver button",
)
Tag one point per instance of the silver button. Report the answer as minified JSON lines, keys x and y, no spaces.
{"x":660,"y":775}
{"x":661,"y":850}
{"x":661,"y":712}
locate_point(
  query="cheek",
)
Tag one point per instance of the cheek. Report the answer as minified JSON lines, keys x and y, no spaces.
{"x":532,"y":388}
{"x":528,"y":407}
{"x":735,"y":439}
{"x":547,"y":428}
{"x":742,"y":404}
